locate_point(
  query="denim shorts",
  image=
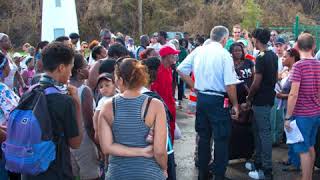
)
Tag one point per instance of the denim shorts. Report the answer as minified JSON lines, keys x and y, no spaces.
{"x":308,"y":127}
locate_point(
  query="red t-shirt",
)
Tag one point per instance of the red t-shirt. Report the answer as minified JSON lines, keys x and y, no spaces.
{"x":307,"y":72}
{"x":163,"y":86}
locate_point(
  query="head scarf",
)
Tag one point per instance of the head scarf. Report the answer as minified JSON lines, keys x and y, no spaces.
{"x":2,"y":35}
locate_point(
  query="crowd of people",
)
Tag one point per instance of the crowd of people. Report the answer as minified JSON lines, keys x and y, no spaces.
{"x":107,"y":109}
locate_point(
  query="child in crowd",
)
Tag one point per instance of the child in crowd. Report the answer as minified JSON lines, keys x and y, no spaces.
{"x":107,"y":89}
{"x":28,"y":73}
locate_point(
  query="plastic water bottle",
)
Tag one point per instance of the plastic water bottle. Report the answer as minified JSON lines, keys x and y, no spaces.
{"x":192,"y":107}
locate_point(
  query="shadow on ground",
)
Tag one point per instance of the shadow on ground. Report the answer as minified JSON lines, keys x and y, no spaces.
{"x":184,"y":153}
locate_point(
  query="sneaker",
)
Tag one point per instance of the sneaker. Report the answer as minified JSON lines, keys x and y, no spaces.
{"x":250,"y":166}
{"x":256,"y":174}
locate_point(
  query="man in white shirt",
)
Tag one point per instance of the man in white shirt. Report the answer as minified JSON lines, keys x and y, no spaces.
{"x":215,"y":82}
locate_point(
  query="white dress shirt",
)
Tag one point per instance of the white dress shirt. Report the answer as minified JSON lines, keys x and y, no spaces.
{"x":212,"y":66}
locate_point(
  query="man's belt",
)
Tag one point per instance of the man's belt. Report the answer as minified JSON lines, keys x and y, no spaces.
{"x":213,"y":92}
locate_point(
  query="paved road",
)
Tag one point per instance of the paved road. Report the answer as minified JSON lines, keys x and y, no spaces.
{"x":184,"y":152}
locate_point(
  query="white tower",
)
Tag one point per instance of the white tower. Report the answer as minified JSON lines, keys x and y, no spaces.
{"x":59,"y":18}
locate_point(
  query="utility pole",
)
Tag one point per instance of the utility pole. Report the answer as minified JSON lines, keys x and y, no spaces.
{"x":140,"y":16}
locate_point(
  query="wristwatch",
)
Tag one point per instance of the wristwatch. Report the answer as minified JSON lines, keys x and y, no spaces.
{"x":288,"y":118}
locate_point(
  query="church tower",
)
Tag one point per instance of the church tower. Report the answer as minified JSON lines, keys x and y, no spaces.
{"x":59,"y":18}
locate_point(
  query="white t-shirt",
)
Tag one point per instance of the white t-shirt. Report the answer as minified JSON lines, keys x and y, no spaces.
{"x":156,"y":46}
{"x":101,"y":102}
{"x":280,"y":66}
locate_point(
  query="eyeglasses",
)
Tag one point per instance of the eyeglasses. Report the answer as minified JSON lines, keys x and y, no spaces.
{"x":273,"y":34}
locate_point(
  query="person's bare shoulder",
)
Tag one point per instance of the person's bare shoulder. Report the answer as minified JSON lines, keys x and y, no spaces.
{"x":157,"y":105}
{"x":107,"y":111}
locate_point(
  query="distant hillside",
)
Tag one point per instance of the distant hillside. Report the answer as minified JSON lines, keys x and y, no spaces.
{"x":21,"y":19}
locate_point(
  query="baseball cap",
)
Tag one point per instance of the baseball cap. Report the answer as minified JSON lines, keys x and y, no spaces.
{"x":106,"y":76}
{"x":74,"y":36}
{"x":167,"y":50}
{"x":280,"y":40}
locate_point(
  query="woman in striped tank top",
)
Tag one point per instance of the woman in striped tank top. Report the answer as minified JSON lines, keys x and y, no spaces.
{"x":125,"y":122}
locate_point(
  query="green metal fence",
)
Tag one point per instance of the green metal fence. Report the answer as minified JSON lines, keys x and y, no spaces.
{"x":297,"y":28}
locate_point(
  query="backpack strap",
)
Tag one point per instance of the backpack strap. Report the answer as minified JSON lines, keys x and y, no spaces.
{"x":56,"y":139}
{"x":42,"y":112}
{"x":51,"y":90}
{"x":147,"y":107}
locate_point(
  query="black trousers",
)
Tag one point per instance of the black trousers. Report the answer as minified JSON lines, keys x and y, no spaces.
{"x":180,"y":89}
{"x":174,"y":80}
{"x":171,"y":167}
{"x":317,"y":149}
{"x":212,"y":120}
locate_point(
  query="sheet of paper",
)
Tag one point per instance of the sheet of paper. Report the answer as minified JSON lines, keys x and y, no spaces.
{"x":294,"y":135}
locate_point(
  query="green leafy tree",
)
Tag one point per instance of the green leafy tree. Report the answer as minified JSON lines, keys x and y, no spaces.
{"x":251,"y":13}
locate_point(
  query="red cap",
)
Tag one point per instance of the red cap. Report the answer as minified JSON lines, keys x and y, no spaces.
{"x":167,"y":50}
